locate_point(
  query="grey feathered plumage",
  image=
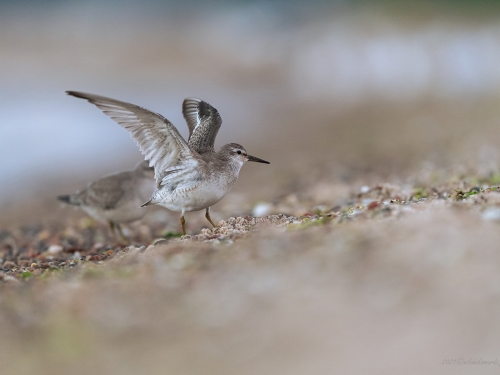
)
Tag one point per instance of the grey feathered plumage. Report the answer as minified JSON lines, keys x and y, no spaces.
{"x":116,"y":198}
{"x":190,"y":176}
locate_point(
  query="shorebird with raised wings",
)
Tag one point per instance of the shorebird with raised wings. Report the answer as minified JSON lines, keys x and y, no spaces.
{"x":190,"y":176}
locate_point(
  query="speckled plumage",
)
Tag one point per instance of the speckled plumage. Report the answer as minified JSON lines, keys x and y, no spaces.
{"x":190,"y":176}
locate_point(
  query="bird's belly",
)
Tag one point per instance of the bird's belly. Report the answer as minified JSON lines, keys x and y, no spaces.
{"x":191,"y":199}
{"x":131,"y":211}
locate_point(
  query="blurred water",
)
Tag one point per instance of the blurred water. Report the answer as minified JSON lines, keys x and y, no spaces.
{"x":400,"y":64}
{"x":241,"y":58}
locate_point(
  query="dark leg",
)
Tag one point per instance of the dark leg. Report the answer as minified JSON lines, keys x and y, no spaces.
{"x":183,"y":224}
{"x":112,"y":227}
{"x":207,"y":215}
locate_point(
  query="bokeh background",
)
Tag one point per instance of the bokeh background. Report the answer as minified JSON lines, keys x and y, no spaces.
{"x":360,"y":86}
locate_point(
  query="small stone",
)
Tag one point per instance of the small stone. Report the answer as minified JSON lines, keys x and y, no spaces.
{"x":43,"y":235}
{"x":54,"y":249}
{"x":23,"y":263}
{"x":73,"y":249}
{"x":8,"y":264}
{"x":373,"y":205}
{"x":366,"y":202}
{"x":261,"y":209}
{"x":160,"y":241}
{"x":364,"y":189}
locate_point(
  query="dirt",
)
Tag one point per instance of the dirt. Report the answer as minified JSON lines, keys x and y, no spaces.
{"x":411,"y":266}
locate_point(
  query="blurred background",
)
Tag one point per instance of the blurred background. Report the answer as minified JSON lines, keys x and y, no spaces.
{"x":359,"y":85}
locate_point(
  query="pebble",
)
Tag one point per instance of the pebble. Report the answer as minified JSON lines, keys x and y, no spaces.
{"x":261,"y":209}
{"x":373,"y":205}
{"x":364,"y":189}
{"x":8,"y":264}
{"x":366,"y":202}
{"x":54,"y":249}
{"x":44,"y":235}
{"x":160,"y":241}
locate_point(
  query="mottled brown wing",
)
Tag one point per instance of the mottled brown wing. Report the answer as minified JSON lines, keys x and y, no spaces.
{"x":203,"y":122}
{"x":157,"y":138}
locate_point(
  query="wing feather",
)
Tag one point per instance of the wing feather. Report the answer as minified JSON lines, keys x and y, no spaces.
{"x":203,"y":122}
{"x":157,"y":138}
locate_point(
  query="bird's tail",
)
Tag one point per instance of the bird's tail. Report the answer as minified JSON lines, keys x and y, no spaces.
{"x":69,"y":199}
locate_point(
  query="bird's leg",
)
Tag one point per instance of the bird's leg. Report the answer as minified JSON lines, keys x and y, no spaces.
{"x":183,"y":224}
{"x":124,"y":239}
{"x":113,"y":233}
{"x":207,"y":215}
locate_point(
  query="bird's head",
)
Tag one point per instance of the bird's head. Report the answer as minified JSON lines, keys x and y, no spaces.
{"x":237,"y":153}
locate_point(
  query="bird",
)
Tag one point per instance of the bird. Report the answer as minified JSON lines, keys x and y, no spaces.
{"x":190,"y":175}
{"x":117,"y":198}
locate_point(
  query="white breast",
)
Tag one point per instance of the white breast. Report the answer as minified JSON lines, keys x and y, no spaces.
{"x":194,"y":197}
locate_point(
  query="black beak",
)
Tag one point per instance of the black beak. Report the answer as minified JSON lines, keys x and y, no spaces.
{"x":257,"y":160}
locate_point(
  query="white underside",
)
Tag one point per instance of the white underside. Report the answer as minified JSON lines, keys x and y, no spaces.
{"x":196,"y":190}
{"x":195,"y":199}
{"x":127,"y":213}
{"x":128,"y":209}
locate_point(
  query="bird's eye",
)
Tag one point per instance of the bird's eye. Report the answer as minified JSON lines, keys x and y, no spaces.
{"x":238,"y":152}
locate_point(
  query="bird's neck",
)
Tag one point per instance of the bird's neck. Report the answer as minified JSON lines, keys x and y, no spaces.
{"x":229,"y":164}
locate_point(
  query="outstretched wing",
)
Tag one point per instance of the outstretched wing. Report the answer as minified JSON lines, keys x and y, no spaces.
{"x":203,"y":122}
{"x":157,"y":138}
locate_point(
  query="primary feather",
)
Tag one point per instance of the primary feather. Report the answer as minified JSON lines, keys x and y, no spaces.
{"x":157,"y":138}
{"x":203,"y":122}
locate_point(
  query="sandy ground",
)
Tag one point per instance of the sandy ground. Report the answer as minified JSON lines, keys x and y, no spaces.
{"x":388,"y":278}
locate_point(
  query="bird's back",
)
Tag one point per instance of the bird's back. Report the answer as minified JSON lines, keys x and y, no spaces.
{"x":108,"y":192}
{"x":116,"y":198}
